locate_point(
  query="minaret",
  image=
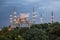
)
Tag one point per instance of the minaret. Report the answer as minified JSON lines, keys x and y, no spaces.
{"x":15,"y":15}
{"x":41,"y":19}
{"x":52,"y":17}
{"x":33,"y":16}
{"x":11,"y":18}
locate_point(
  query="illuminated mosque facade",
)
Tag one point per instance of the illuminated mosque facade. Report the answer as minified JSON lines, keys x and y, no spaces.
{"x":23,"y":19}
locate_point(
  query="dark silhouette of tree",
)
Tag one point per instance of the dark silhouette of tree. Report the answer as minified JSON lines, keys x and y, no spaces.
{"x":35,"y":34}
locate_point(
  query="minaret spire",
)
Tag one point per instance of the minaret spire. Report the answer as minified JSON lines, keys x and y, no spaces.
{"x":41,"y":19}
{"x":11,"y":18}
{"x":52,"y":17}
{"x":15,"y":15}
{"x":33,"y":16}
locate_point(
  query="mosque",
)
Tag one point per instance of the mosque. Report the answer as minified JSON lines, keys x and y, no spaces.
{"x":23,"y":19}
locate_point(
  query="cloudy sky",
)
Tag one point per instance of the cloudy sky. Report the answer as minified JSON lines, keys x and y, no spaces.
{"x":41,"y":6}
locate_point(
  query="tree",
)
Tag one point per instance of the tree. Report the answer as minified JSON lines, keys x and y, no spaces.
{"x":53,"y":31}
{"x":35,"y":34}
{"x":10,"y":35}
{"x":58,"y":38}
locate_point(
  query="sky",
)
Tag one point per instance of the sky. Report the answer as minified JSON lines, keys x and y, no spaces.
{"x":44,"y":7}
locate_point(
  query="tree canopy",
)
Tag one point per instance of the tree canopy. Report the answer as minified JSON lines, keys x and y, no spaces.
{"x":46,"y":31}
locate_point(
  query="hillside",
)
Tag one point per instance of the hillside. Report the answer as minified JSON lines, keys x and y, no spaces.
{"x":46,"y":31}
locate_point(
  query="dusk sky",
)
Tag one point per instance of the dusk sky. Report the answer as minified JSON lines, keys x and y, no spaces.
{"x":22,"y":6}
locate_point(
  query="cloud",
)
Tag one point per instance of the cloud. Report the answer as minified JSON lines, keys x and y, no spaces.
{"x":53,"y":5}
{"x":23,"y":2}
{"x":32,"y":0}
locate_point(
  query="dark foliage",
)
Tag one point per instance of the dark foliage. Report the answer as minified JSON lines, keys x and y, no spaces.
{"x":46,"y":31}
